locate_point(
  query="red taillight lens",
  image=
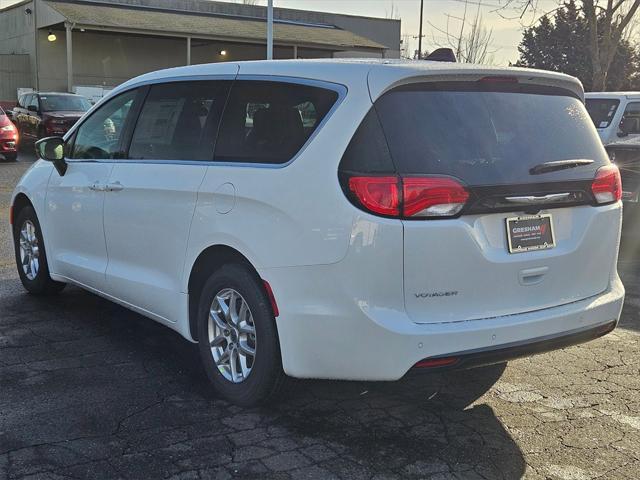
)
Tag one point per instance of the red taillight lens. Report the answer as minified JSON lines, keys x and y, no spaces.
{"x":607,"y":186}
{"x":432,"y":197}
{"x":410,"y":197}
{"x":379,"y":195}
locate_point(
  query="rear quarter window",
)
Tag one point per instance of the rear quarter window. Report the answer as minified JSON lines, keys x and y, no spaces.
{"x":269,"y":122}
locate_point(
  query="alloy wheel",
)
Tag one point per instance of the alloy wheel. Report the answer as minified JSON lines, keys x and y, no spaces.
{"x":232,"y":335}
{"x":29,"y":250}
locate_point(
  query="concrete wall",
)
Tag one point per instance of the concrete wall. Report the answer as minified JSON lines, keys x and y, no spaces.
{"x":15,"y":72}
{"x":17,"y":38}
{"x":106,"y":59}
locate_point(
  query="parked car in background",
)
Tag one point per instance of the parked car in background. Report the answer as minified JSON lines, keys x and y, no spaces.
{"x":351,"y":220}
{"x":8,"y":137}
{"x":39,"y":115}
{"x":615,"y":114}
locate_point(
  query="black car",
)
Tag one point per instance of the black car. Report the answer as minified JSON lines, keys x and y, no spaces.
{"x":39,"y":115}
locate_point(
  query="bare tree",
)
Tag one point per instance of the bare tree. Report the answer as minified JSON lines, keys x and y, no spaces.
{"x":472,"y":41}
{"x":608,"y":21}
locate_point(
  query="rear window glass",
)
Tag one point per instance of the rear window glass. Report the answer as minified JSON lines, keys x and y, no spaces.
{"x":62,"y":103}
{"x":269,"y":122}
{"x":487,"y":137}
{"x":602,"y":110}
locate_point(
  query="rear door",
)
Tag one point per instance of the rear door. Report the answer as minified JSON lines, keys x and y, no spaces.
{"x":152,"y":193}
{"x":523,"y":152}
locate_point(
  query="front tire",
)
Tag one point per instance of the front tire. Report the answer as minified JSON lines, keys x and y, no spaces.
{"x":31,"y":257}
{"x":11,"y":157}
{"x":237,"y":337}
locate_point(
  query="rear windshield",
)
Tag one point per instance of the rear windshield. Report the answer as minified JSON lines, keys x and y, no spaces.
{"x":602,"y":110}
{"x":62,"y":103}
{"x":487,"y":137}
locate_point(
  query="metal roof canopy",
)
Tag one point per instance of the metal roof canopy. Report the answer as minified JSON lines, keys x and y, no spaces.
{"x":184,"y":24}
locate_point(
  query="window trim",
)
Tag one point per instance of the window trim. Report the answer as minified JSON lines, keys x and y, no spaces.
{"x":340,"y":89}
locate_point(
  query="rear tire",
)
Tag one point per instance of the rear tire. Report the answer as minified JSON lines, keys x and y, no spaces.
{"x":241,"y":378}
{"x":31,"y":257}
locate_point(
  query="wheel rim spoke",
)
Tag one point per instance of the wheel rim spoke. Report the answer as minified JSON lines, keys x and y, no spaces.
{"x":246,"y":349}
{"x":220,"y":323}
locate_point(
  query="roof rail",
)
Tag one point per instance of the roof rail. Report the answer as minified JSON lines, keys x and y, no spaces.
{"x":442,"y":55}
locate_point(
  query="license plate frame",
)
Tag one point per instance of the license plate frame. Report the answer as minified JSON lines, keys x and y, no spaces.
{"x":538,"y":233}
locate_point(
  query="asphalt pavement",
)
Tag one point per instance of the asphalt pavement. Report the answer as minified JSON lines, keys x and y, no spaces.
{"x":89,"y":390}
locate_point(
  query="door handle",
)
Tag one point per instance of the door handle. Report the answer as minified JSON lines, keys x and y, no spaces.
{"x":98,"y":187}
{"x":114,"y":187}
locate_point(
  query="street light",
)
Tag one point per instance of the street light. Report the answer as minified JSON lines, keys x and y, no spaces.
{"x":52,"y":36}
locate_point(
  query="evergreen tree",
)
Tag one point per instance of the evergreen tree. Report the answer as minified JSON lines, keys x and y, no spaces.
{"x":561,"y":44}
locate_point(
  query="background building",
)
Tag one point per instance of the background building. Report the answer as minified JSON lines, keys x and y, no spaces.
{"x":62,"y":45}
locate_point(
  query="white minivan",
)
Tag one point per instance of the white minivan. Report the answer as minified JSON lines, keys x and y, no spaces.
{"x":331,"y":219}
{"x":616,"y":115}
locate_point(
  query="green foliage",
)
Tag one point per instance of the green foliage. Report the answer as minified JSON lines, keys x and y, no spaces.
{"x":561,"y":44}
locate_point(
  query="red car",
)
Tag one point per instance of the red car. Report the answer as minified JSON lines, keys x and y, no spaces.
{"x":8,"y":138}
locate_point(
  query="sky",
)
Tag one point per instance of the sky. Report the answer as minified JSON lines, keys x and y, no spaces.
{"x":506,"y":32}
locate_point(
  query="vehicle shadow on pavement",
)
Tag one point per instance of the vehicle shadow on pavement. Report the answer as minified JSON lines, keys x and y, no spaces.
{"x":90,"y":390}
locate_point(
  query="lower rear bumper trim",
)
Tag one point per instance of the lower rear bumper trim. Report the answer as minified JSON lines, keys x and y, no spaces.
{"x":511,"y":351}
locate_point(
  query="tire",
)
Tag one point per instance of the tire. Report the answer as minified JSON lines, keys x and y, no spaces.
{"x":35,"y":279}
{"x":11,"y":157}
{"x":265,"y":378}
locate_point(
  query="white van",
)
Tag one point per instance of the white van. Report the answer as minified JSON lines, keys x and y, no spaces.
{"x":334,"y":219}
{"x":616,"y":115}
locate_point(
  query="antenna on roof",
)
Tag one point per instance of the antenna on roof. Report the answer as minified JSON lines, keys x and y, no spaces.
{"x":442,"y":55}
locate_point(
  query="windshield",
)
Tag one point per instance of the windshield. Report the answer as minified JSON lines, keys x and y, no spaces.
{"x":64,"y":103}
{"x":602,"y":110}
{"x":488,"y":137}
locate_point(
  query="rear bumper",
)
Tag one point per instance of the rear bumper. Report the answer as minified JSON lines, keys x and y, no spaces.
{"x":328,"y":330}
{"x":489,"y":356}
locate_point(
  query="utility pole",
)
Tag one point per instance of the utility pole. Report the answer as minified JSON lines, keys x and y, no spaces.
{"x":270,"y":30}
{"x":420,"y":33}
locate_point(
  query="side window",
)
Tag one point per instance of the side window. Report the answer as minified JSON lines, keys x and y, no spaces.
{"x":630,"y":123}
{"x":33,"y":102}
{"x":99,"y":136}
{"x":22,"y":101}
{"x":179,"y":121}
{"x":269,"y":122}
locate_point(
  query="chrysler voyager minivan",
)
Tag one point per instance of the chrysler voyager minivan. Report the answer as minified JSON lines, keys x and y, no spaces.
{"x":328,"y":219}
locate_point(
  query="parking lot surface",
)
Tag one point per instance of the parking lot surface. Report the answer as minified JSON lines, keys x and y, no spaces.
{"x":91,"y":390}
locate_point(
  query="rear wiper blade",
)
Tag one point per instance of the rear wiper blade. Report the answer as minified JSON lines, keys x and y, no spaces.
{"x":559,"y":165}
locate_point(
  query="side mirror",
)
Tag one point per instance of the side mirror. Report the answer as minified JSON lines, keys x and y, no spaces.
{"x":51,"y":149}
{"x":32,"y":108}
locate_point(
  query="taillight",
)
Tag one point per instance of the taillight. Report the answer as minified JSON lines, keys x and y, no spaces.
{"x":379,"y":195}
{"x":432,"y":196}
{"x":409,"y":197}
{"x":607,"y":186}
